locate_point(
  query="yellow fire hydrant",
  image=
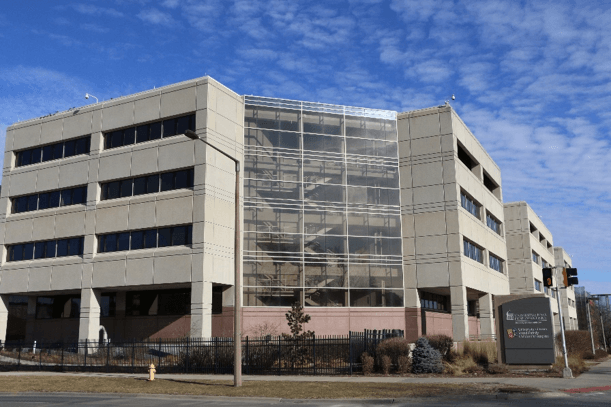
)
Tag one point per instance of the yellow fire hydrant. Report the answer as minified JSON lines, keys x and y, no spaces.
{"x":151,"y":372}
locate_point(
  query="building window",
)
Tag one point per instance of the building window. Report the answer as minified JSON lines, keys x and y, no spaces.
{"x":472,"y":308}
{"x":472,"y":251}
{"x":45,"y":249}
{"x":59,"y":306}
{"x":493,"y":223}
{"x":150,"y":131}
{"x":145,"y":239}
{"x":469,"y":204}
{"x":553,"y":294}
{"x":537,"y":285}
{"x":108,"y":305}
{"x":50,"y":199}
{"x":54,"y":151}
{"x":148,"y":184}
{"x":546,"y":290}
{"x":434,"y":302}
{"x":535,"y":257}
{"x":544,"y":264}
{"x":496,"y":263}
{"x":466,"y":158}
{"x":158,"y":302}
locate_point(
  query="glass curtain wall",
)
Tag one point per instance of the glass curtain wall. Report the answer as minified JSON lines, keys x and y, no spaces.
{"x":321,"y":206}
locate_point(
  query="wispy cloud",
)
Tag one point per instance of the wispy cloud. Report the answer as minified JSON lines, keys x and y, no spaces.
{"x":96,"y":11}
{"x":155,"y":16}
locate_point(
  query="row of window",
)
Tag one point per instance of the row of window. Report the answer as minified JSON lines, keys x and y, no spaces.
{"x":51,"y":199}
{"x":138,"y":303}
{"x":150,"y":131}
{"x":145,"y":239}
{"x":149,"y":184}
{"x":474,"y":209}
{"x":54,"y":151}
{"x":476,"y":253}
{"x":45,"y":249}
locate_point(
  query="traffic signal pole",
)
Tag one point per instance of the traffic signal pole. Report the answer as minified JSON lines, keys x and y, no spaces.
{"x":566,"y":372}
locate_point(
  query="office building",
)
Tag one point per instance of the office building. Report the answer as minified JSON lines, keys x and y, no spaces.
{"x":112,"y":220}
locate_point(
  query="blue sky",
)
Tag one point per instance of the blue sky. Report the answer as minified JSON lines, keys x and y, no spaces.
{"x":531,"y":78}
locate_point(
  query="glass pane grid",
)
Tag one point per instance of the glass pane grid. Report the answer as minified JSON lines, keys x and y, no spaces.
{"x":300,"y":242}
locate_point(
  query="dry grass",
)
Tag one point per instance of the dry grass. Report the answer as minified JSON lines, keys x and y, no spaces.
{"x":481,"y":352}
{"x":576,"y":363}
{"x":275,"y":389}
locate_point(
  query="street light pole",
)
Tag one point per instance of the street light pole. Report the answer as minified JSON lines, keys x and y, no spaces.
{"x":237,"y":316}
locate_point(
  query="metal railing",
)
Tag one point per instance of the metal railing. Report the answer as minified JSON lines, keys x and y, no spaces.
{"x":320,"y":355}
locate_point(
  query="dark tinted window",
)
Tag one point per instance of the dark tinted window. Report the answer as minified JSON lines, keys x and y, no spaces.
{"x":79,"y":195}
{"x":142,"y":133}
{"x":58,"y":151}
{"x":165,"y":237}
{"x":17,"y":252}
{"x":113,"y":190}
{"x":152,"y":184}
{"x":53,"y":151}
{"x":110,"y":243}
{"x":116,"y":138}
{"x":21,"y":204}
{"x":129,"y":136}
{"x":43,"y":201}
{"x":179,"y":235}
{"x":137,"y":241}
{"x":32,"y":202}
{"x":54,"y":199}
{"x":28,"y":251}
{"x":169,"y":127}
{"x":155,"y":131}
{"x":69,"y":148}
{"x":123,"y":241}
{"x":74,"y":246}
{"x":62,"y":247}
{"x":150,"y":238}
{"x":36,"y":155}
{"x":47,"y":153}
{"x":50,"y":248}
{"x":126,"y":188}
{"x":66,"y":197}
{"x":140,"y":186}
{"x":183,"y":124}
{"x":167,"y":181}
{"x":39,"y":250}
{"x":182,"y":179}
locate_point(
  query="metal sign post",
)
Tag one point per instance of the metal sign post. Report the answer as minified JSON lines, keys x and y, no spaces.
{"x":566,"y":372}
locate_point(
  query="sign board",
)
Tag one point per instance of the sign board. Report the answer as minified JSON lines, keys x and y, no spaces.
{"x":528,"y":332}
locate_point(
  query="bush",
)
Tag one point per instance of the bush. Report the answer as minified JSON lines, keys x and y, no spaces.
{"x":576,"y":364}
{"x":443,"y":343}
{"x":495,"y":368}
{"x":426,"y":359}
{"x":385,"y":364}
{"x":394,"y":348}
{"x":403,"y":364}
{"x":588,"y":355}
{"x":577,"y":342}
{"x":367,"y":362}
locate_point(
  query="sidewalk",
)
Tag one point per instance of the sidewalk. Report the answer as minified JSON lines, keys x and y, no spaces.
{"x":597,"y":376}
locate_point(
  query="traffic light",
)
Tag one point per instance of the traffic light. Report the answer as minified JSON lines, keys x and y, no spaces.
{"x":570,"y":277}
{"x":547,"y":277}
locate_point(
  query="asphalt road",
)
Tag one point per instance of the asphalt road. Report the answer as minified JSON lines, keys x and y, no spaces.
{"x":36,"y":399}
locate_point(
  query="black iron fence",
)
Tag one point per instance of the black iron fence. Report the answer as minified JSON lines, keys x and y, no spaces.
{"x":320,"y":355}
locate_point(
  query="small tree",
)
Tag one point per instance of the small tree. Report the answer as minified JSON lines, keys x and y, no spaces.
{"x":298,"y":350}
{"x":426,"y":359}
{"x":296,"y":319}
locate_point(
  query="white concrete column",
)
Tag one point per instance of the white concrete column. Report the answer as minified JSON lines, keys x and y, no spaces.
{"x":201,"y":309}
{"x":89,"y":327}
{"x":3,"y":317}
{"x":460,"y":317}
{"x":486,"y":316}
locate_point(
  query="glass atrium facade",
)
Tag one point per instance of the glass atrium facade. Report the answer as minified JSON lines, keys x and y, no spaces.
{"x":321,"y":205}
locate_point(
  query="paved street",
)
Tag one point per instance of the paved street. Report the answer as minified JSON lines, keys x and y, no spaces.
{"x":28,"y":400}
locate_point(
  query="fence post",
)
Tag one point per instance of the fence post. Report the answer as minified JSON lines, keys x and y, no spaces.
{"x":19,"y":355}
{"x":350,"y":350}
{"x":86,"y":349}
{"x":279,"y":357}
{"x":40,"y":357}
{"x":215,"y":341}
{"x":187,"y":358}
{"x":314,"y":351}
{"x":159,"y":359}
{"x":107,"y":355}
{"x":62,"y":355}
{"x":247,"y":360}
{"x":133,"y":353}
